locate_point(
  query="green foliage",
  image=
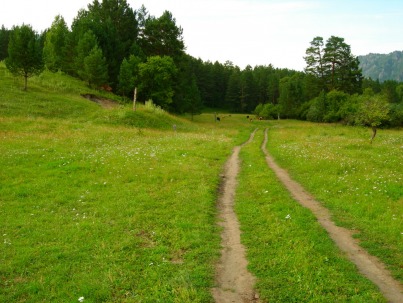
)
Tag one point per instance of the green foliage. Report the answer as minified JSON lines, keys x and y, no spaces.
{"x":4,"y":38}
{"x":156,"y":79}
{"x":317,"y":108}
{"x":95,"y":68}
{"x":334,"y":67}
{"x":268,"y":111}
{"x":128,"y":75}
{"x":55,"y":44}
{"x":162,"y":37}
{"x":24,"y":53}
{"x":291,"y":95}
{"x":372,"y":111}
{"x":115,"y":26}
{"x":85,"y":45}
{"x":396,"y":115}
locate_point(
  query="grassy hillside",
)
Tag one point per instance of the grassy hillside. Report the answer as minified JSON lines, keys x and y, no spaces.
{"x":107,"y":204}
{"x":55,"y":95}
{"x":116,"y":206}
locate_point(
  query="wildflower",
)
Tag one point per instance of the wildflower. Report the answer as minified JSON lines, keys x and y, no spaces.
{"x":288,"y":216}
{"x":81,"y":299}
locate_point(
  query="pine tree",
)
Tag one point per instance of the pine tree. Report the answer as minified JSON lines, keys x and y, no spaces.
{"x":24,"y":53}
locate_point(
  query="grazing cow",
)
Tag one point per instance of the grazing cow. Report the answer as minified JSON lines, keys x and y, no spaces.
{"x":218,"y":119}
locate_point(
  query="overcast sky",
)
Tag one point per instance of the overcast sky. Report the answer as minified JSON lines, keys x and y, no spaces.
{"x":254,"y":32}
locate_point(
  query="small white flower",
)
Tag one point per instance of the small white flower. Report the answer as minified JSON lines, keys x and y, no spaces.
{"x":81,"y":299}
{"x":288,"y":216}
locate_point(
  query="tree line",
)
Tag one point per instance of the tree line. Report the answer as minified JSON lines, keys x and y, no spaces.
{"x":112,"y":45}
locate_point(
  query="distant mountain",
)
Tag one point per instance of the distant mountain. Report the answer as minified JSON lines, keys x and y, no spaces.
{"x":383,"y":66}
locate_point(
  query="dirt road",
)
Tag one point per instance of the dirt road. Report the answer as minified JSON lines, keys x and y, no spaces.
{"x":367,"y":264}
{"x":236,"y":285}
{"x":234,"y":282}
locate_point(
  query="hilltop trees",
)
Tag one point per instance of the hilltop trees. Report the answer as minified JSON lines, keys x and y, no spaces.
{"x":24,"y":53}
{"x":333,"y":66}
{"x":112,"y":45}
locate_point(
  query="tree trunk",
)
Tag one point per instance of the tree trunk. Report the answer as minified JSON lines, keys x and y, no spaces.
{"x":134,"y":98}
{"x":373,"y":133}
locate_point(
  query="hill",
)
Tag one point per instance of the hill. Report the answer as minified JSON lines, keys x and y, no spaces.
{"x":59,"y":96}
{"x":383,"y":66}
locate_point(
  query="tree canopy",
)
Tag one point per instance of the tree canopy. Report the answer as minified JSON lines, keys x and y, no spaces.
{"x":110,"y":43}
{"x":24,"y":53}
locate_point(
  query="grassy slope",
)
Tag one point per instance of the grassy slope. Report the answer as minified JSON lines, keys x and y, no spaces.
{"x":93,"y":204}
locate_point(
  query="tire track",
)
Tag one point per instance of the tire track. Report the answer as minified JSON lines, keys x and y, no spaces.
{"x":370,"y":266}
{"x":235,"y":284}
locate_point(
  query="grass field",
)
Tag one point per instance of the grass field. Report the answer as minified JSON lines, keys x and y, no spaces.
{"x":362,"y":184}
{"x":116,"y":206}
{"x":290,"y":254}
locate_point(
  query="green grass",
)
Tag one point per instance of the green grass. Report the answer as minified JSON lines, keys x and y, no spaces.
{"x":116,"y":206}
{"x":291,"y":255}
{"x":362,"y":184}
{"x":107,"y":213}
{"x":110,"y":205}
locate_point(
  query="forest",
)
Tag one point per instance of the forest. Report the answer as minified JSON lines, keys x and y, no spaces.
{"x":114,"y":47}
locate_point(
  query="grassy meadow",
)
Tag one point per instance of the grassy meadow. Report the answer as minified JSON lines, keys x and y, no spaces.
{"x":361,"y":183}
{"x":289,"y":252}
{"x":117,"y":206}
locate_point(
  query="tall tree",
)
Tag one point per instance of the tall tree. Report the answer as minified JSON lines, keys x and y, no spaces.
{"x":95,"y":69}
{"x":315,"y":63}
{"x":342,"y":68}
{"x":85,"y":45}
{"x":55,"y":44}
{"x":333,"y":67}
{"x":24,"y":53}
{"x":156,"y":78}
{"x":128,"y":75}
{"x":4,"y":38}
{"x":291,"y":95}
{"x":114,"y":24}
{"x":232,"y":96}
{"x":162,"y":37}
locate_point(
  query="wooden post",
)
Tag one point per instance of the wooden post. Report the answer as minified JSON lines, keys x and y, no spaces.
{"x":134,"y":98}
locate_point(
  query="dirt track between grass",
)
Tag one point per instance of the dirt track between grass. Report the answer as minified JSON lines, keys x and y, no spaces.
{"x":236,"y":285}
{"x":370,"y":266}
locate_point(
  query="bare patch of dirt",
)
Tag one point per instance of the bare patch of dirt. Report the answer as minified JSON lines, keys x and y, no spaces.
{"x":104,"y":102}
{"x":235,"y":283}
{"x":370,"y":266}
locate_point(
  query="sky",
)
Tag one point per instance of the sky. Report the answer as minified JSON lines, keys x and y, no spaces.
{"x":248,"y":32}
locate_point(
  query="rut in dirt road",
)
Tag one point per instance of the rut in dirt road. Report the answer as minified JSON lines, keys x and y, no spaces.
{"x":234,"y":283}
{"x":367,"y":264}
